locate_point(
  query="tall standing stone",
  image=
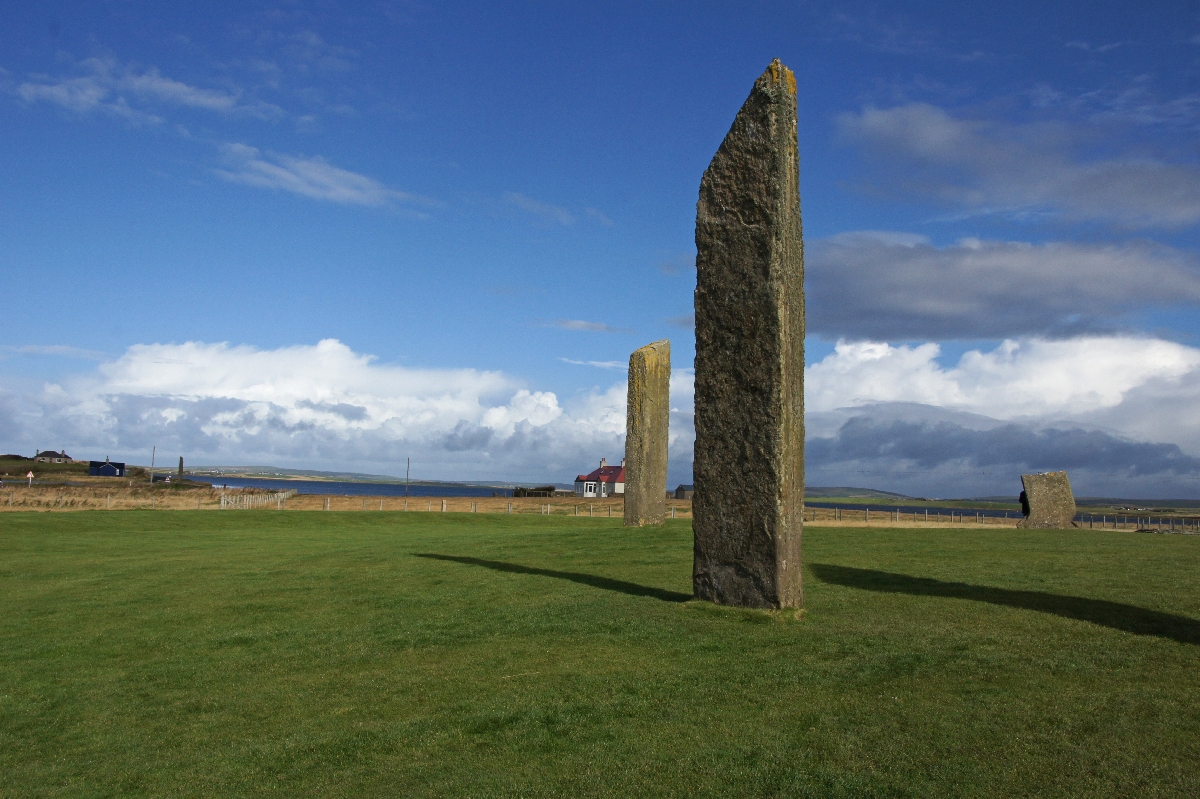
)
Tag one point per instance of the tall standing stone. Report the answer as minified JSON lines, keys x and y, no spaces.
{"x":1047,"y":501}
{"x":647,"y":422}
{"x":749,"y":454}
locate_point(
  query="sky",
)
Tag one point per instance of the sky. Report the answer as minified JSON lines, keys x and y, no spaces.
{"x":330,"y":235}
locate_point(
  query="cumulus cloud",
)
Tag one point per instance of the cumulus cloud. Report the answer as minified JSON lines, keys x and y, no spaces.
{"x":120,"y":90}
{"x":1122,"y":413}
{"x":307,"y":176}
{"x":319,"y":404}
{"x":1029,"y":378}
{"x":986,"y":289}
{"x":991,"y":167}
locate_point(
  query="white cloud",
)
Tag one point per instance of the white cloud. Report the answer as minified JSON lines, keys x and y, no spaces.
{"x":327,"y":384}
{"x":598,"y":216}
{"x":593,"y":327}
{"x":992,"y":167}
{"x":1066,"y":378}
{"x":551,"y":213}
{"x":1098,"y":48}
{"x":537,"y":408}
{"x":1121,"y":414}
{"x":319,"y":404}
{"x":597,"y":364}
{"x":116,"y":90}
{"x":892,"y":415}
{"x":60,"y":350}
{"x":307,"y":176}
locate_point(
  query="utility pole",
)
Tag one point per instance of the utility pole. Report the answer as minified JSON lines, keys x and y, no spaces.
{"x":407,"y":472}
{"x":152,"y":451}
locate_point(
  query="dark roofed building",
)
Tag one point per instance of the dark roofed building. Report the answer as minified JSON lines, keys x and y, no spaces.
{"x":50,"y":456}
{"x":105,"y":468}
{"x":685,"y":492}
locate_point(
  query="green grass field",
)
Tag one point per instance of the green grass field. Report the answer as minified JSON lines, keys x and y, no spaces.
{"x":388,"y":654}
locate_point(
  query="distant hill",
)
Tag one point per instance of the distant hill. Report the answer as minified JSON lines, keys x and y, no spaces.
{"x":282,"y":473}
{"x":820,"y":492}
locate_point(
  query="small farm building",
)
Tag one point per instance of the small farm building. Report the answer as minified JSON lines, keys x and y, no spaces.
{"x":106,"y":468}
{"x":685,"y":492}
{"x":606,"y":481}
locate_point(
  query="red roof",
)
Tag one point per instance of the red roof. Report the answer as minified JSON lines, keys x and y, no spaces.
{"x":604,"y":474}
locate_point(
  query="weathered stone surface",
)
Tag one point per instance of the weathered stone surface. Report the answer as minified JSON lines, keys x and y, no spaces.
{"x":749,"y":453}
{"x":647,"y":421}
{"x":1047,"y":501}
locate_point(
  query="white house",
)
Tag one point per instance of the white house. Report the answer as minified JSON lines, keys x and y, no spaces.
{"x":606,"y":481}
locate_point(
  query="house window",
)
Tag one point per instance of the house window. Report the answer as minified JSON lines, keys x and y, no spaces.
{"x":589,"y":489}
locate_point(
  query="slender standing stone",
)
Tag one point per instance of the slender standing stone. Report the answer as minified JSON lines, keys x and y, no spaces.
{"x":647,"y":420}
{"x":749,"y":454}
{"x":1047,"y":501}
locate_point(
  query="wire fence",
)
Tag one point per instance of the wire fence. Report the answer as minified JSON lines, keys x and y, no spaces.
{"x":249,"y":501}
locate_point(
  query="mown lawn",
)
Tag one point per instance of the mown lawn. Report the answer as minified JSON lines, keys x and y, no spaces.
{"x":389,"y":654}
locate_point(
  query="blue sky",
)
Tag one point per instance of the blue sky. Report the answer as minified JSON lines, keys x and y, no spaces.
{"x":481,"y":209}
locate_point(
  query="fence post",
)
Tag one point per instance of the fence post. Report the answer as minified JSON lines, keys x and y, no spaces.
{"x":510,"y":508}
{"x":443,"y":506}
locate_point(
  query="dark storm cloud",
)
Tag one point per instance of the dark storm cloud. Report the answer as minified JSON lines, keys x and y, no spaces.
{"x":893,"y":286}
{"x":930,"y":446}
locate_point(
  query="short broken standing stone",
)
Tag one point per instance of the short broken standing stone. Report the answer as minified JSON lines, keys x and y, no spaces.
{"x":647,"y":422}
{"x":1047,"y":501}
{"x":749,"y":453}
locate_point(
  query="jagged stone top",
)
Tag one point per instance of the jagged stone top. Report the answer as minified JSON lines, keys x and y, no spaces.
{"x":777,"y":72}
{"x":657,"y":346}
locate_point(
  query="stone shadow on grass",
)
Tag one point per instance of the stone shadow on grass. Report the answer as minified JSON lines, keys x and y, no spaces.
{"x":1128,"y":618}
{"x":605,"y":583}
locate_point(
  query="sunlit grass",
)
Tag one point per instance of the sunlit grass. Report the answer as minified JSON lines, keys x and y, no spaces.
{"x":219,"y":653}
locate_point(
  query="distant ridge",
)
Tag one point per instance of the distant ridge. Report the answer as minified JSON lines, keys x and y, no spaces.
{"x":281,"y":473}
{"x":1113,"y":502}
{"x":843,"y":492}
